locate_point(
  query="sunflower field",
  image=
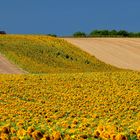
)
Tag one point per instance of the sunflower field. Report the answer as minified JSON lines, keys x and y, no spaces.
{"x":92,"y":105}
{"x":44,"y":54}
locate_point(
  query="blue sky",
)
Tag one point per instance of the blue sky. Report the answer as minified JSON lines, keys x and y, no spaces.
{"x":63,"y":17}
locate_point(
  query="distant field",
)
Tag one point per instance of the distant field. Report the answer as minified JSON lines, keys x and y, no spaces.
{"x":119,"y":52}
{"x":70,"y":106}
{"x":44,"y":54}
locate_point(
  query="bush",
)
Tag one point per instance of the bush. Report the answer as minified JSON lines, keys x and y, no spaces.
{"x":123,"y":33}
{"x":95,"y":33}
{"x":100,"y":33}
{"x":79,"y":34}
{"x":2,"y":32}
{"x":113,"y":33}
{"x":53,"y":35}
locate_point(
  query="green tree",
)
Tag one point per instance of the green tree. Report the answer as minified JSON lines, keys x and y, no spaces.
{"x":113,"y":33}
{"x":2,"y":32}
{"x":123,"y":33}
{"x":95,"y":33}
{"x":79,"y":34}
{"x":53,"y":35}
{"x":104,"y":32}
{"x":99,"y":33}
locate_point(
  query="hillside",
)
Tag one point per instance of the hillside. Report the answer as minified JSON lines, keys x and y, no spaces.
{"x":120,"y":52}
{"x":44,"y":54}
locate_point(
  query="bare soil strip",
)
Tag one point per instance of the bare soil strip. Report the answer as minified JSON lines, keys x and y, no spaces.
{"x":8,"y":68}
{"x":120,"y":52}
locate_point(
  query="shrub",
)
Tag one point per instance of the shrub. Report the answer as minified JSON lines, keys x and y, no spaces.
{"x":79,"y":34}
{"x":123,"y":33}
{"x":2,"y":32}
{"x":53,"y":35}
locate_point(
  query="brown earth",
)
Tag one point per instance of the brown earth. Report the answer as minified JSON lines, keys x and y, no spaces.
{"x":8,"y":68}
{"x":119,"y":52}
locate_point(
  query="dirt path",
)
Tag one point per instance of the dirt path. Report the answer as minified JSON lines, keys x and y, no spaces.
{"x":8,"y":68}
{"x":120,"y":52}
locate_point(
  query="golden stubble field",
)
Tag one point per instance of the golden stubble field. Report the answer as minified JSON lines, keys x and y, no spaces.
{"x":120,"y":52}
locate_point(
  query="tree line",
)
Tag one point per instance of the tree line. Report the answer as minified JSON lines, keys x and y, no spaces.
{"x":99,"y":33}
{"x":107,"y":33}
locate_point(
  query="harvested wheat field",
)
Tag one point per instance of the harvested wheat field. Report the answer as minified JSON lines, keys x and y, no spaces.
{"x":120,"y":52}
